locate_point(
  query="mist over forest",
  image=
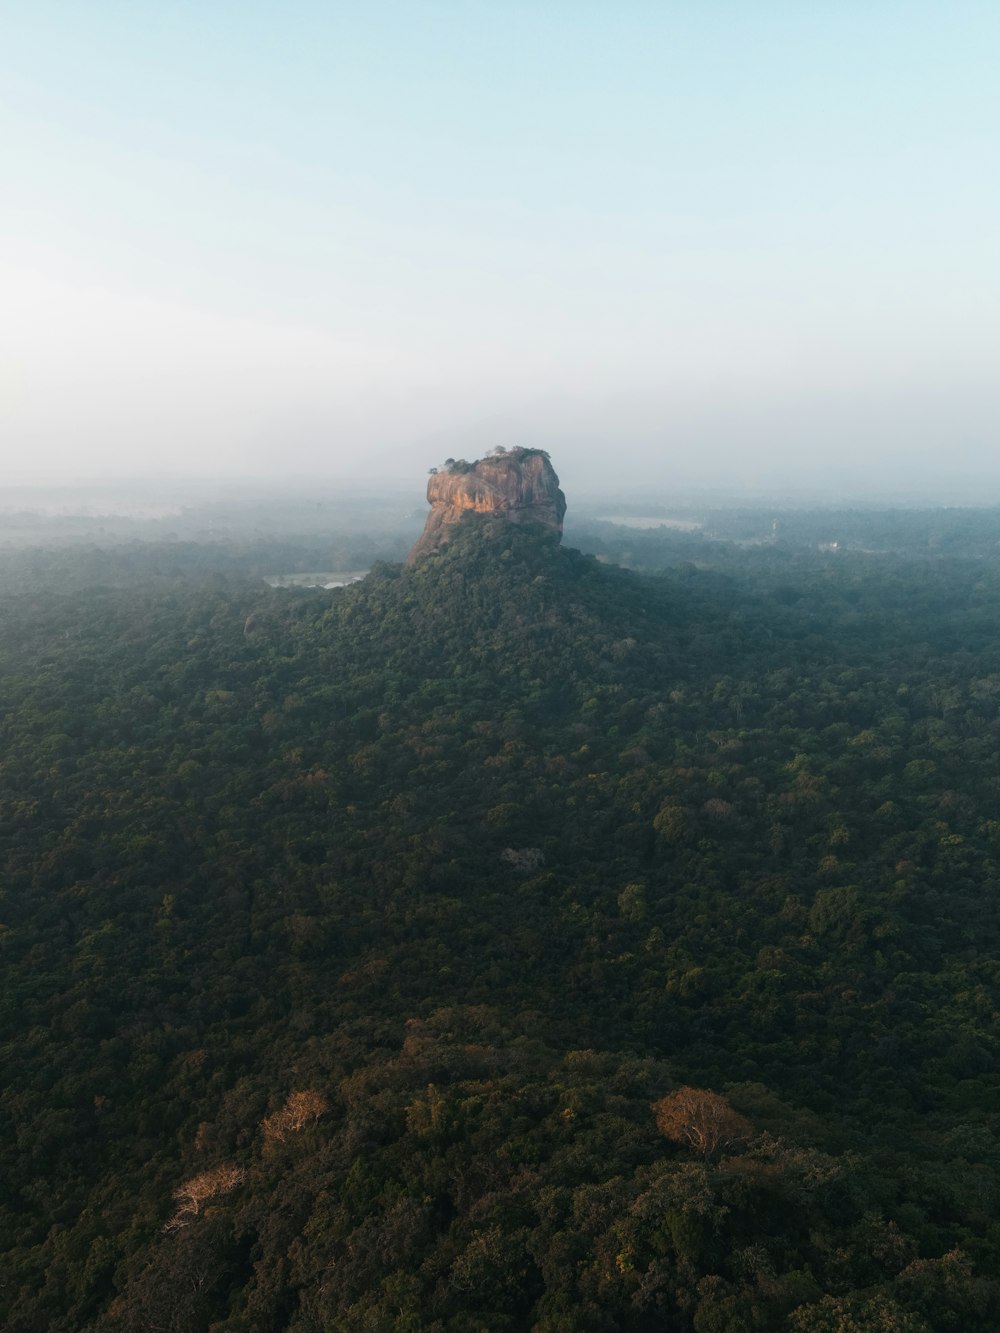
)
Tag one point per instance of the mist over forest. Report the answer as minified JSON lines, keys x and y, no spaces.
{"x":499,"y":668}
{"x":585,"y":934}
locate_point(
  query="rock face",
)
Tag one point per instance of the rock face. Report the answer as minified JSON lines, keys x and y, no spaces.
{"x":519,"y":485}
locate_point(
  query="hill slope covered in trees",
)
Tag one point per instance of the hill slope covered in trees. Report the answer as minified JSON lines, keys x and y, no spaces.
{"x":370,"y":956}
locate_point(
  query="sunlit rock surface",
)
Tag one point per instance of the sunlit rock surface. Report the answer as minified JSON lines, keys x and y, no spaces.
{"x":519,"y":485}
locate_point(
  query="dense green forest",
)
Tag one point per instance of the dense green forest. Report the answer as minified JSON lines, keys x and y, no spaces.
{"x":514,"y":941}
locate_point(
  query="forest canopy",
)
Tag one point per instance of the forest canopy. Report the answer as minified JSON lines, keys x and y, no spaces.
{"x":514,"y":941}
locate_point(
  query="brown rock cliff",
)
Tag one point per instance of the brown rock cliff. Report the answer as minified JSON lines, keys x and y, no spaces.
{"x":519,"y":485}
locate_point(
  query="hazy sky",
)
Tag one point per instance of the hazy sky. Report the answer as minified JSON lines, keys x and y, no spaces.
{"x":747,"y":241}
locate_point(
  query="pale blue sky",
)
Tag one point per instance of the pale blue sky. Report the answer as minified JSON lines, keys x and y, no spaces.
{"x":746,"y":240}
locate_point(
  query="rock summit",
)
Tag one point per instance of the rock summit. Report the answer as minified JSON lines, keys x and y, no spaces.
{"x":519,"y":485}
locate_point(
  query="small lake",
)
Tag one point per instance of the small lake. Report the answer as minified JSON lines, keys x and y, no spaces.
{"x":630,"y":521}
{"x":331,"y":579}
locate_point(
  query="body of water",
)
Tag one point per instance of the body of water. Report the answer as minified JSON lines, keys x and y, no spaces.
{"x":334,"y":579}
{"x":629,"y":521}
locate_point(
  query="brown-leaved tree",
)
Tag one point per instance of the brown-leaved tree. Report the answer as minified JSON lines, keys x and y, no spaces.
{"x":301,"y":1109}
{"x":701,"y":1120}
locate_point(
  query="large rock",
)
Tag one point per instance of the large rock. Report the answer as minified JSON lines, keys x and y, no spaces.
{"x":519,"y":485}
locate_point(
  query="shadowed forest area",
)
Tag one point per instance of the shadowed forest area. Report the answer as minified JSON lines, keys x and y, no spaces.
{"x":534,"y":938}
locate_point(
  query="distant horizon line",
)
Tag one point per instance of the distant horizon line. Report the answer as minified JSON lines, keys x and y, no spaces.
{"x":586,"y":496}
